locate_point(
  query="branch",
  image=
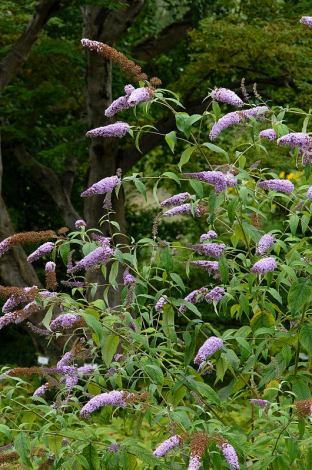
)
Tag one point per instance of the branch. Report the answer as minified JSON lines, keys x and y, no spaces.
{"x":67,"y":178}
{"x":170,"y":36}
{"x":128,"y":157}
{"x":49,"y":182}
{"x":14,"y":60}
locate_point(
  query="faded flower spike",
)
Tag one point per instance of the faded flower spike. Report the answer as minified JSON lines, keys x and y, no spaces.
{"x":226,"y":96}
{"x":209,"y":347}
{"x":167,"y":445}
{"x":106,"y":185}
{"x":268,"y":134}
{"x":41,"y":251}
{"x":265,"y":243}
{"x":307,"y":20}
{"x":176,"y":200}
{"x":304,"y":408}
{"x":264,"y":265}
{"x":261,"y":403}
{"x":283,"y":186}
{"x":118,"y":129}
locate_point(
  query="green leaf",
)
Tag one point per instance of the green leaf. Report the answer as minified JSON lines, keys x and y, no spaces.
{"x":198,"y":188}
{"x":252,"y":231}
{"x":91,"y":455}
{"x":171,"y":140}
{"x":22,"y":447}
{"x":166,"y":258}
{"x":113,"y":273}
{"x":168,"y":320}
{"x":224,"y":269}
{"x":308,"y":453}
{"x":55,"y":445}
{"x":140,"y":187}
{"x":93,"y":323}
{"x":186,"y":155}
{"x":82,"y":460}
{"x":232,"y":209}
{"x":172,"y":176}
{"x":293,"y":223}
{"x":217,"y":149}
{"x":206,"y":391}
{"x":146,"y":456}
{"x":305,"y":337}
{"x":109,"y":348}
{"x":301,"y":389}
{"x":64,"y":252}
{"x":176,"y":278}
{"x":299,"y":294}
{"x":261,"y":320}
{"x":6,"y":430}
{"x":178,"y":396}
{"x":47,"y":318}
{"x":155,"y":373}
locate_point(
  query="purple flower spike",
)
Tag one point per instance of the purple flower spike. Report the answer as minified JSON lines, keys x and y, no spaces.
{"x":309,"y":193}
{"x":129,"y":89}
{"x":179,"y":210}
{"x":117,"y":105}
{"x":118,"y":129}
{"x":283,"y":186}
{"x":138,"y":95}
{"x":160,"y":303}
{"x":212,"y":267}
{"x":226,"y":96}
{"x":207,"y":236}
{"x":215,"y":294}
{"x":176,"y":200}
{"x":106,"y":185}
{"x":236,"y":118}
{"x":209,"y":347}
{"x":264,"y":265}
{"x":229,"y":455}
{"x":41,"y":251}
{"x":113,"y":398}
{"x":167,"y":445}
{"x":66,"y":321}
{"x":50,"y":267}
{"x":80,"y":223}
{"x":41,"y":390}
{"x":194,"y":463}
{"x":296,"y":139}
{"x":99,"y":256}
{"x":128,"y":278}
{"x":265,"y":243}
{"x":214,"y":250}
{"x":307,"y":20}
{"x":261,"y":403}
{"x":194,"y":297}
{"x":268,"y":134}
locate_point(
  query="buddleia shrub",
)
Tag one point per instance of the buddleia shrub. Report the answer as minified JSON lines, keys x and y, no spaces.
{"x":148,"y":382}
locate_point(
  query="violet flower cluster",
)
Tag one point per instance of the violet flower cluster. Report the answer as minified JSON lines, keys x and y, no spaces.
{"x":80,"y":223}
{"x":264,"y":265}
{"x":226,"y":96}
{"x":194,"y":462}
{"x":13,"y":301}
{"x":194,"y":297}
{"x":265,"y":243}
{"x":160,"y":303}
{"x":179,"y":210}
{"x":118,"y":129}
{"x":215,"y":250}
{"x":229,"y":455}
{"x":268,"y":134}
{"x":296,"y":139}
{"x":114,"y":398}
{"x":261,"y":403}
{"x":128,"y":278}
{"x":309,"y":193}
{"x":167,"y":445}
{"x":65,"y":321}
{"x":212,"y":267}
{"x":207,"y":236}
{"x":133,"y":97}
{"x":100,"y":255}
{"x":209,"y":347}
{"x":14,"y":317}
{"x":283,"y":186}
{"x":236,"y":118}
{"x":307,"y":20}
{"x":176,"y":200}
{"x":215,"y":295}
{"x":72,"y":284}
{"x":41,"y":251}
{"x":218,"y":179}
{"x":50,"y":267}
{"x":106,"y":185}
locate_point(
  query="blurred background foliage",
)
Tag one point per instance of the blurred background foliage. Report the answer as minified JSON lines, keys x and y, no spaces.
{"x":43,"y":108}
